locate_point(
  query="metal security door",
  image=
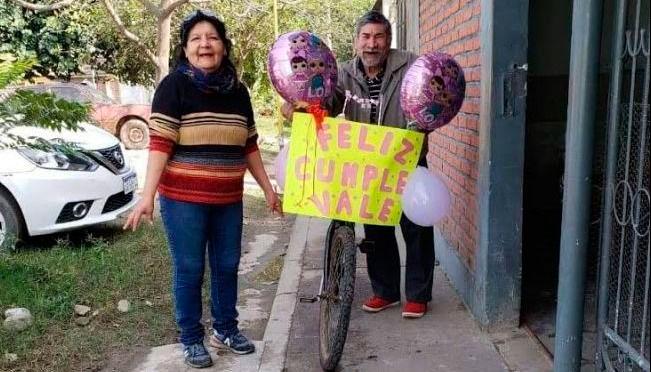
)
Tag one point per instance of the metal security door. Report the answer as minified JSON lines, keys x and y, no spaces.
{"x":623,"y":314}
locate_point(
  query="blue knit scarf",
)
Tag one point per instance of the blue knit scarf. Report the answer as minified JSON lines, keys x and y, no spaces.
{"x":221,"y":81}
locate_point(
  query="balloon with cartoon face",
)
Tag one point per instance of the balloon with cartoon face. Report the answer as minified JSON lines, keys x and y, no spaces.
{"x":302,"y":68}
{"x":432,"y":90}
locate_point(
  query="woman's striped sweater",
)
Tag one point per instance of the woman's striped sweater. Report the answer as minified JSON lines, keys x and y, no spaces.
{"x":207,"y":135}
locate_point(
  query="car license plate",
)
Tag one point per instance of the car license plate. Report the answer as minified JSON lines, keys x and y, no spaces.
{"x":130,"y":183}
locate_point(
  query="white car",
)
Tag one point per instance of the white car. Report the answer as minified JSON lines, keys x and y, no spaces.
{"x":47,"y":192}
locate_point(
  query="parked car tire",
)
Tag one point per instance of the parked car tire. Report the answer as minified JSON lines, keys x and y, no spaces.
{"x":12,"y":227}
{"x":134,"y":133}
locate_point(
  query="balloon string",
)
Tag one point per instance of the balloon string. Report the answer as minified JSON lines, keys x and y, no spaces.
{"x":313,"y":178}
{"x":319,"y":115}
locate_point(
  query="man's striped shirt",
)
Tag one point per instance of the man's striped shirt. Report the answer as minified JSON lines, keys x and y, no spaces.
{"x":374,"y":84}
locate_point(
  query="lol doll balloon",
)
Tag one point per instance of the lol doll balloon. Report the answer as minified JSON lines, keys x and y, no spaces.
{"x":432,"y":91}
{"x":302,"y":68}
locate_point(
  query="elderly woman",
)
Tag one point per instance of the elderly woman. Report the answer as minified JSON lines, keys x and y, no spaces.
{"x":203,"y":139}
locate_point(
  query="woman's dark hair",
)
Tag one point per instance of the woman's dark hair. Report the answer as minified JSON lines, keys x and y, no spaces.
{"x":189,"y":22}
{"x":373,"y":16}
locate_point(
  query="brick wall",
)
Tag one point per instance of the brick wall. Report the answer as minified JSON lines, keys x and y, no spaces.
{"x":452,"y":26}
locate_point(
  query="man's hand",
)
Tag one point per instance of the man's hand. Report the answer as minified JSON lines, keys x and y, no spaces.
{"x":287,"y":109}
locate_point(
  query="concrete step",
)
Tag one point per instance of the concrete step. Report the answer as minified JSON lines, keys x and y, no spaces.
{"x":169,"y":358}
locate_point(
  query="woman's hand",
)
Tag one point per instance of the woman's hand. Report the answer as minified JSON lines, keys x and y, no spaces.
{"x":273,"y":202}
{"x":144,"y":210}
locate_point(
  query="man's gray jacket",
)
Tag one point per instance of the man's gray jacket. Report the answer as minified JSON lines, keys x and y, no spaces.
{"x":352,"y":94}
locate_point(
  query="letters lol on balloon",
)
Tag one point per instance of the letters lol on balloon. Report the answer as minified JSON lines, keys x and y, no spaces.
{"x":349,"y":171}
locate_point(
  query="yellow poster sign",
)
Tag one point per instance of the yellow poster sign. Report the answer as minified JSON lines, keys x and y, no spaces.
{"x":348,"y":171}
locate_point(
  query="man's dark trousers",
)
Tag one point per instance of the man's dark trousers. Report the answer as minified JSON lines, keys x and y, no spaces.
{"x":383,"y":261}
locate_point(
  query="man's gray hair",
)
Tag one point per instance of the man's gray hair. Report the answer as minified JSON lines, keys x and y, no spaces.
{"x":373,"y":16}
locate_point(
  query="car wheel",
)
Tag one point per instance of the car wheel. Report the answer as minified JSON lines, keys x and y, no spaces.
{"x":134,"y":133}
{"x":12,"y":227}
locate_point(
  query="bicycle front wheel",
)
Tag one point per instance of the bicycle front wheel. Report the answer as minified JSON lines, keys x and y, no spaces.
{"x":337,"y":296}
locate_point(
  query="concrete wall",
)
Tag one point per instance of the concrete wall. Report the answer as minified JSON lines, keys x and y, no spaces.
{"x":410,"y":8}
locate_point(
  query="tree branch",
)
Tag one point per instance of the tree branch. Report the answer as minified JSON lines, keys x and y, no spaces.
{"x":166,"y":11}
{"x":287,"y":2}
{"x":151,"y":7}
{"x":252,"y":7}
{"x":42,"y":7}
{"x":128,"y":34}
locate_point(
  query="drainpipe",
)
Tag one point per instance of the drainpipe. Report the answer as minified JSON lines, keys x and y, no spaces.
{"x":582,"y":92}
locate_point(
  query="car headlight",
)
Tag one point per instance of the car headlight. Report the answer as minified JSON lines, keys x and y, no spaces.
{"x":52,"y":159}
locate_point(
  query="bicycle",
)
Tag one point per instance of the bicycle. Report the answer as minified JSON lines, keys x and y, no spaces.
{"x":336,"y":292}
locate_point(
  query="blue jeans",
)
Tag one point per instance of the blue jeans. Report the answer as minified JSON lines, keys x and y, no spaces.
{"x":191,"y":228}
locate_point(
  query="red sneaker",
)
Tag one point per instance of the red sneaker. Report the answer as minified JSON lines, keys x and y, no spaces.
{"x":376,"y":304}
{"x":414,"y":309}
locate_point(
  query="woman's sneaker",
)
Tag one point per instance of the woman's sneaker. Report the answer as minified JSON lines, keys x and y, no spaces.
{"x":197,"y":356}
{"x":236,"y":342}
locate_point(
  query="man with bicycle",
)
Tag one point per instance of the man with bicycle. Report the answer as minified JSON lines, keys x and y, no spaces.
{"x":368,"y":91}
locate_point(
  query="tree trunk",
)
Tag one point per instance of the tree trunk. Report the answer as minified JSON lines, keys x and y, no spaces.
{"x":163,"y":44}
{"x":329,"y":20}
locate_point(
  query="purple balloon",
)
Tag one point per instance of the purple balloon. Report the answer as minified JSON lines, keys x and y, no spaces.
{"x":302,"y":68}
{"x":432,"y":90}
{"x":280,"y":165}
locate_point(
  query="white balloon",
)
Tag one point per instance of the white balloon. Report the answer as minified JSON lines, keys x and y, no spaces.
{"x":280,"y":164}
{"x":425,"y":199}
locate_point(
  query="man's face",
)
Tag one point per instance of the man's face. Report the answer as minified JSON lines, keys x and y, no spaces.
{"x":372,"y":44}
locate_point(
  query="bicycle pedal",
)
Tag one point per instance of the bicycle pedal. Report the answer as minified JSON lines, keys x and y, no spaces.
{"x":308,"y":299}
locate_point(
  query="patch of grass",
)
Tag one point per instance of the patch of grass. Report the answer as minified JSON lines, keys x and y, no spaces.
{"x":271,"y":272}
{"x":266,"y":127}
{"x":98,"y":272}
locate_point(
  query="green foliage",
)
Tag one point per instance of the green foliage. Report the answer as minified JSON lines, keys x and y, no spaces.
{"x":12,"y":70}
{"x":250,"y":25}
{"x":58,"y":40}
{"x":332,"y":21}
{"x":114,"y":53}
{"x":43,"y":110}
{"x":27,"y":108}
